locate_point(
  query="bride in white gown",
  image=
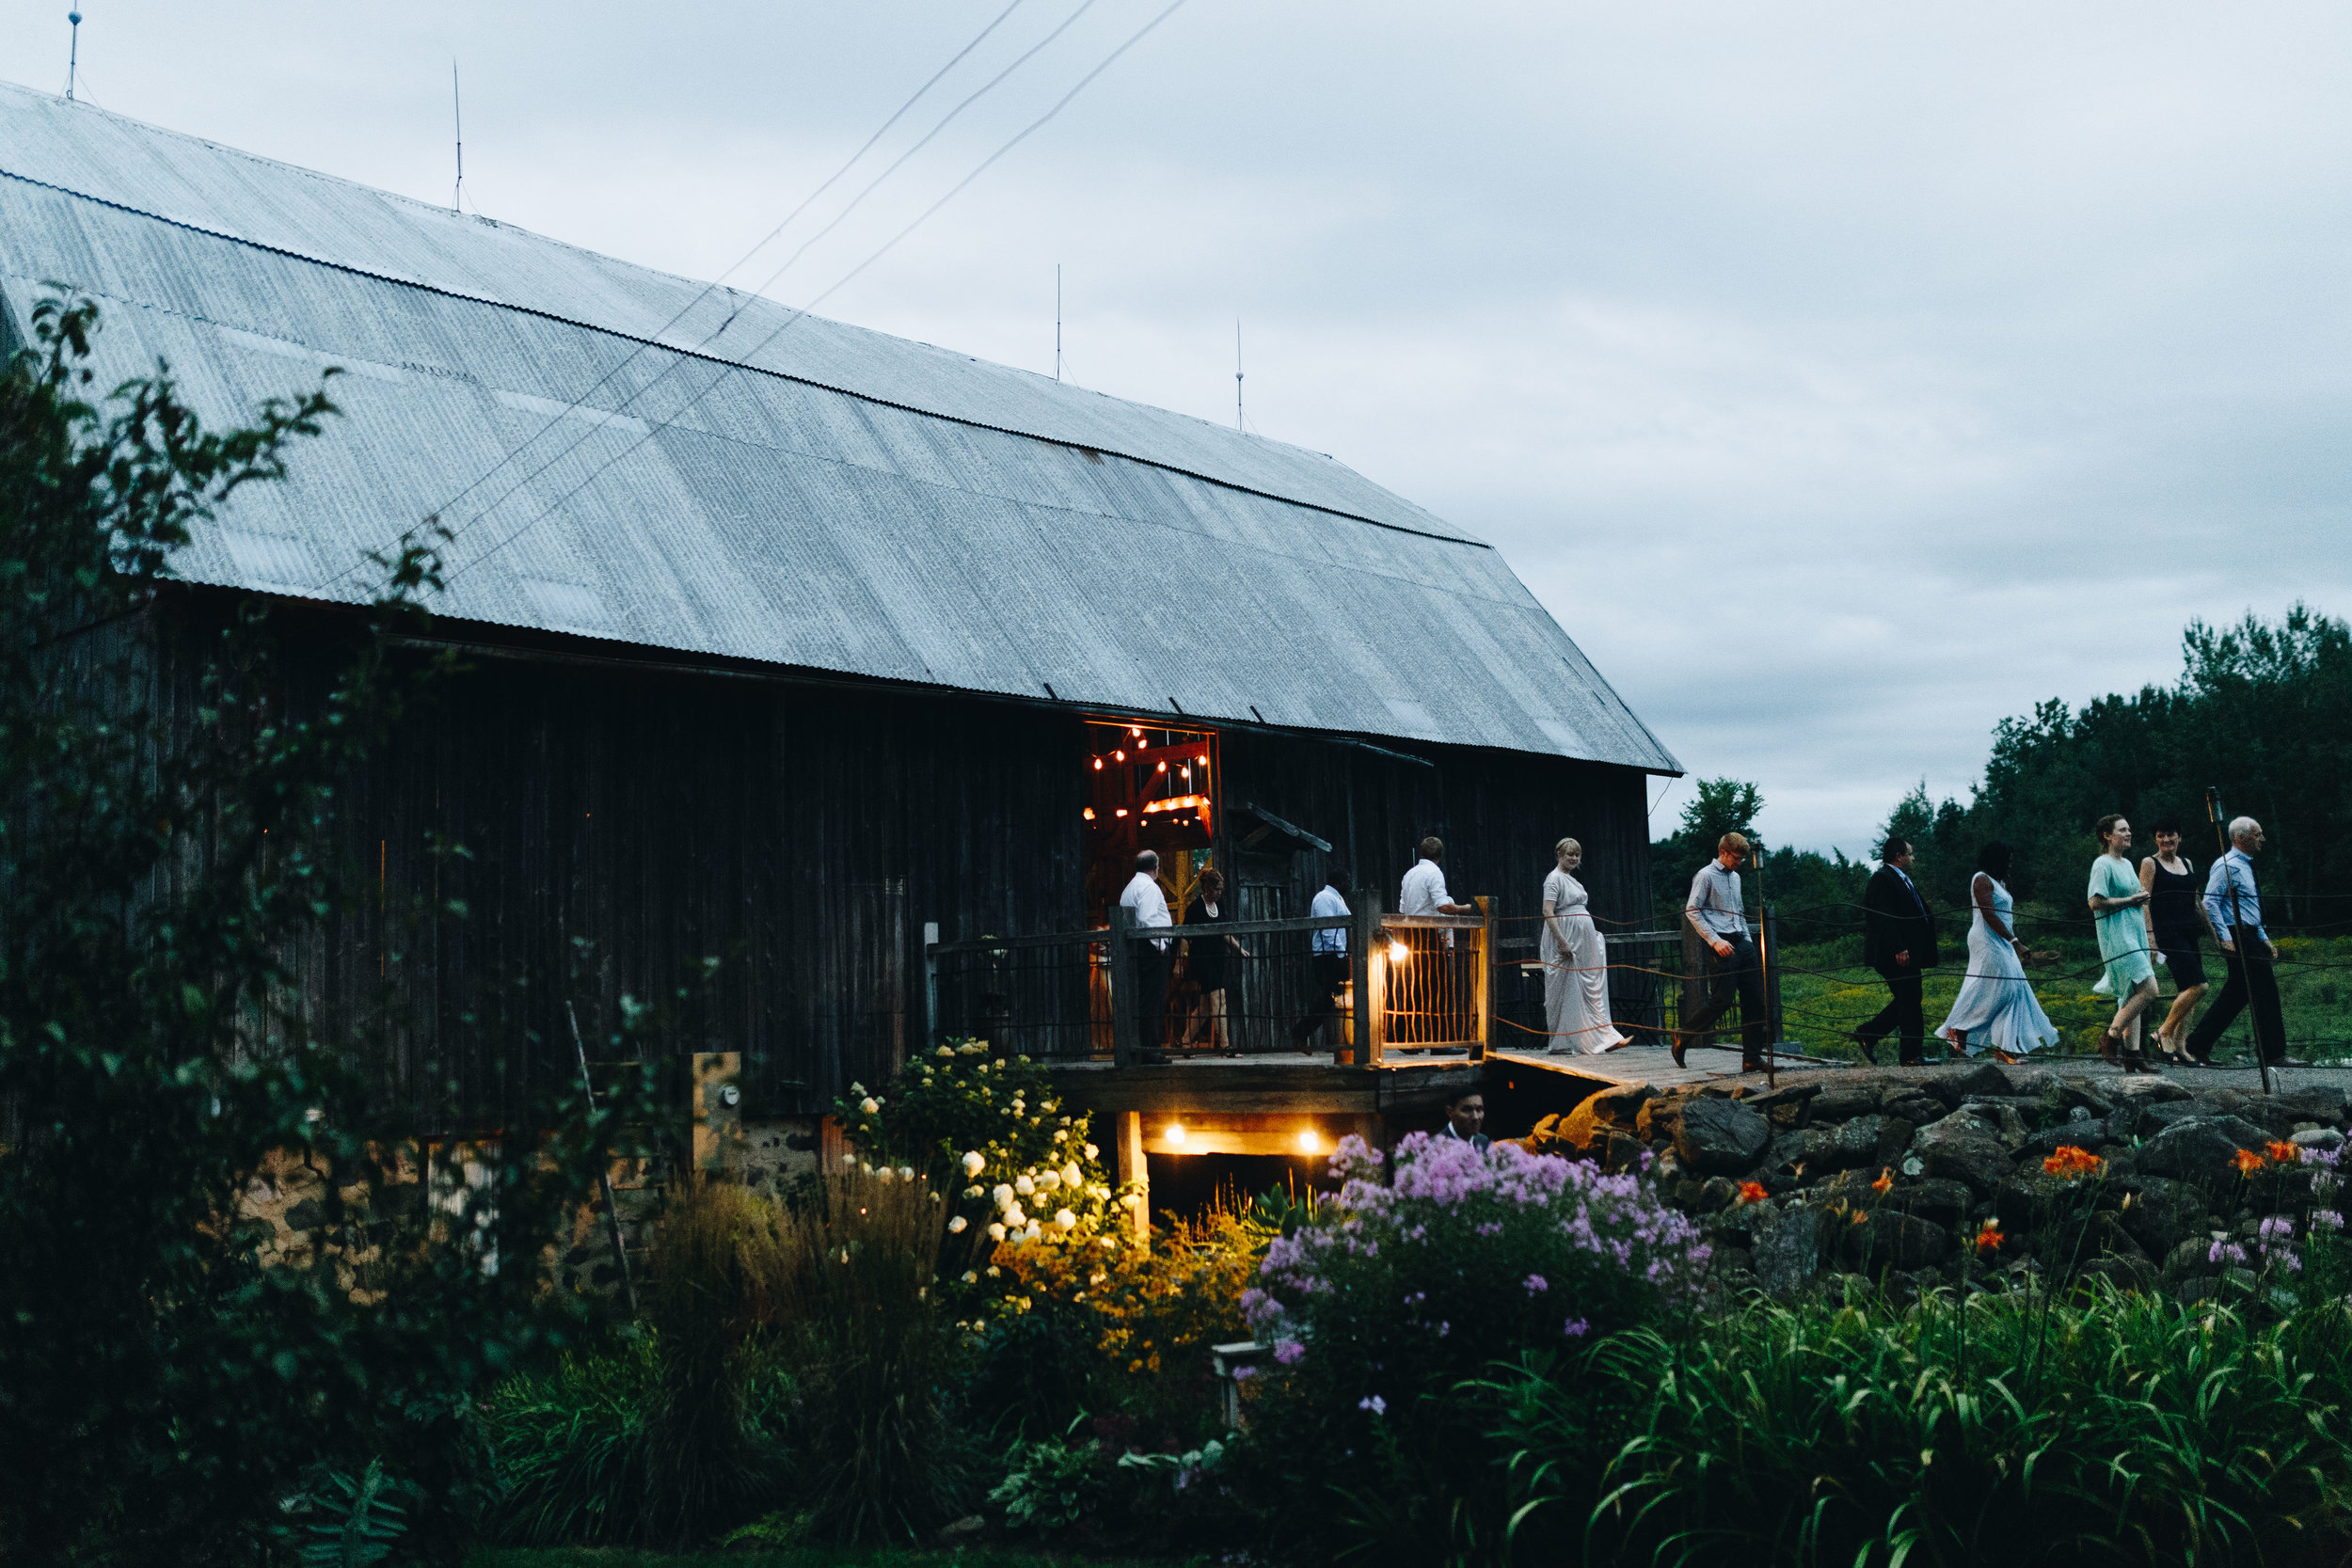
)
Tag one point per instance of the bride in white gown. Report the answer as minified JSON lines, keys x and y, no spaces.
{"x":1575,"y":964}
{"x":1997,"y":1004}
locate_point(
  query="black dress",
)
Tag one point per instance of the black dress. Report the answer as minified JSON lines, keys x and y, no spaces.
{"x":1204,"y":954}
{"x":2173,"y":907}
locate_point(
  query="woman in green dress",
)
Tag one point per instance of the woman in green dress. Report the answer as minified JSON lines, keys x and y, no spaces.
{"x":2116,"y":897}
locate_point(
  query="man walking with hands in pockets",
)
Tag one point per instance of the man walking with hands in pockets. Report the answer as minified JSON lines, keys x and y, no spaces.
{"x":2234,"y":905}
{"x":1715,"y":912}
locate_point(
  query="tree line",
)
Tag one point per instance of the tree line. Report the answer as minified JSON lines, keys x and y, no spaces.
{"x":2260,"y":714}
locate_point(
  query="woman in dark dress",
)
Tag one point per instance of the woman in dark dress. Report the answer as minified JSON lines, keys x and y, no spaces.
{"x":2176,"y":920}
{"x":1205,"y":960}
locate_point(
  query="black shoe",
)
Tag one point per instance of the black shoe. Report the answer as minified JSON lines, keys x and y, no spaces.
{"x":1869,"y":1045}
{"x":2277,"y":1062}
{"x":1913,"y":1061}
{"x":1753,"y":1067}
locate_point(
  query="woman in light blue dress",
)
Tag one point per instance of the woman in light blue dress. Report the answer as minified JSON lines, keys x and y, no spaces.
{"x":2116,"y":897}
{"x":1995,"y":1005}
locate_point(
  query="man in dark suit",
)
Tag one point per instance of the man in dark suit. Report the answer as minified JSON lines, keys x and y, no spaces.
{"x":1898,"y":940}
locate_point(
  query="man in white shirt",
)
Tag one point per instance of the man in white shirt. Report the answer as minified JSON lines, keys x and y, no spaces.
{"x":1327,"y":954}
{"x":1416,"y":992}
{"x":1714,"y":912}
{"x":1149,"y":905}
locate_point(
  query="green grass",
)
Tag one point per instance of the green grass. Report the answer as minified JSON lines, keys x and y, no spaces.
{"x":1826,"y":992}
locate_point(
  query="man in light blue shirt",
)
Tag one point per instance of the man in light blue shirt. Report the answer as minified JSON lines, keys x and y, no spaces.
{"x":1326,"y":954}
{"x":2234,"y":905}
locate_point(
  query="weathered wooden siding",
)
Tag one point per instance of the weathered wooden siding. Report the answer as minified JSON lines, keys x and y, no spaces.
{"x":619,"y":824}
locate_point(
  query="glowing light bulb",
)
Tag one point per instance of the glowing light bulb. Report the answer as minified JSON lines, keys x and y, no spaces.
{"x":1098,"y":765}
{"x":1120,"y":756}
{"x":1309,"y":1141}
{"x":1118,"y":811}
{"x":1174,"y":1132}
{"x":1135,"y":730}
{"x":1088,"y":814}
{"x":1163,"y":767}
{"x":1398,"y":952}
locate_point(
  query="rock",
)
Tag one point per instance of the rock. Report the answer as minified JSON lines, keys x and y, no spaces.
{"x":306,"y":1215}
{"x":2317,"y":1102}
{"x":2031,"y":1198}
{"x":1788,"y":1244}
{"x":2143,"y":1090}
{"x":2190,"y":1259}
{"x":1937,"y":1200}
{"x":2194,"y":1291}
{"x":2125,"y":1271}
{"x":1844,"y":1101}
{"x":2073,"y":1135}
{"x":2263,"y":1111}
{"x":970,"y":1528}
{"x":1959,"y":1149}
{"x":2081,"y":1094}
{"x":1667,"y":1171}
{"x":1855,"y":1143}
{"x":1890,"y":1239}
{"x":2202,"y":1149}
{"x":2152,"y":1119}
{"x":1717,"y":1193}
{"x":1895,"y":1136}
{"x":1616,"y":1149}
{"x":1906,"y":1103}
{"x":2318,"y":1137}
{"x":2159,"y":1211}
{"x":1620,"y":1108}
{"x":1980,"y":1082}
{"x":1719,"y":1137}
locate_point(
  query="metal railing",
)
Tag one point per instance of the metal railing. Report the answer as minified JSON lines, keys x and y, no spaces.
{"x":1656,"y":979}
{"x":1128,"y":995}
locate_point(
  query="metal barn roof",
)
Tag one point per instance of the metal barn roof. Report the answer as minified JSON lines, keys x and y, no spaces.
{"x":822,"y":496}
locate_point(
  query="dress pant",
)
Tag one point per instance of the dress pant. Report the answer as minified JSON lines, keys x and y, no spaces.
{"x":1735,"y":978}
{"x":1904,"y":1015}
{"x":2252,"y":979}
{"x":1327,"y":978}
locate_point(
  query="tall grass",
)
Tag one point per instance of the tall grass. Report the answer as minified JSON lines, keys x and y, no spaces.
{"x":878,"y":1461}
{"x":2132,"y":1430}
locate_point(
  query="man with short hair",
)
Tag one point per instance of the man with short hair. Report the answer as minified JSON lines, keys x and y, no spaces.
{"x":2234,"y":905}
{"x":1326,"y":960}
{"x":1421,"y":991}
{"x":1465,"y":1121}
{"x":1714,"y":912}
{"x":1149,"y":904}
{"x":1898,"y":940}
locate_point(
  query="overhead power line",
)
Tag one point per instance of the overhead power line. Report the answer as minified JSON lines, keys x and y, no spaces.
{"x":722,"y":371}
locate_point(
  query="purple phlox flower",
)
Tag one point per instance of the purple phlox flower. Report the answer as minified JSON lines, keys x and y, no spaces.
{"x":1289,"y":1352}
{"x":2277,"y":1227}
{"x":1536,"y":1284}
{"x":2225,"y":1252}
{"x":2326,"y":1157}
{"x":2327,"y":1219}
{"x":1243,"y":1374}
{"x":1576,"y":1328}
{"x":1444,"y":1329}
{"x":1374,"y":1403}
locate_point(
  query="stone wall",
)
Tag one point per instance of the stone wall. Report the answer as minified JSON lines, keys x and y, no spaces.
{"x":1893,"y":1177}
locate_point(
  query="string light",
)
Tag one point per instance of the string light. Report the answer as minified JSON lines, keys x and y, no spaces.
{"x":1310,"y":1142}
{"x":1098,"y":765}
{"x":1120,"y":756}
{"x":1398,"y":952}
{"x":1163,"y":767}
{"x":1087,"y":813}
{"x":1173,"y":1132}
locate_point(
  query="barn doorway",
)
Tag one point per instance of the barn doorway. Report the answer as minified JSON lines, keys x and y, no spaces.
{"x":1148,"y":787}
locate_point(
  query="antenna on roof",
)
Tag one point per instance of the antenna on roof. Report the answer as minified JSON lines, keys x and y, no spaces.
{"x":73,"y":52}
{"x":1058,"y":321}
{"x":1237,"y":420}
{"x":457,"y":115}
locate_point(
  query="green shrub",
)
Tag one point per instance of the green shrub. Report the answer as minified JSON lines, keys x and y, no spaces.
{"x":2134,"y":1430}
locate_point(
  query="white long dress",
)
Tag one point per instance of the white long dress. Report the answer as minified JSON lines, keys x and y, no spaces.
{"x":1997,"y":1006}
{"x":1576,"y":976}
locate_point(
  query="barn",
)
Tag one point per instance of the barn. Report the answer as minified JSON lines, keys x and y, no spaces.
{"x":799,"y":645}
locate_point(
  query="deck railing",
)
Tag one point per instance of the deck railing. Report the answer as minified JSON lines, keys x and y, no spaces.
{"x":1436,"y":985}
{"x":1077,"y":995}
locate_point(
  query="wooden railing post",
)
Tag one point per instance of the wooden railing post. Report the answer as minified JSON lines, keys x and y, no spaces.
{"x":1371,"y":1004}
{"x":930,"y":984}
{"x":1483,"y":972}
{"x":1122,"y":956}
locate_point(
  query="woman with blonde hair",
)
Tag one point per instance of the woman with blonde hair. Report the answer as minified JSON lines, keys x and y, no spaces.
{"x":1576,"y":963}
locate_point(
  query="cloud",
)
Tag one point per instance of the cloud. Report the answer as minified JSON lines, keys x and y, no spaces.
{"x":1845,"y":377}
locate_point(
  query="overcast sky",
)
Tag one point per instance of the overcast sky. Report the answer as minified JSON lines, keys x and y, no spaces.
{"x":1844,"y":376}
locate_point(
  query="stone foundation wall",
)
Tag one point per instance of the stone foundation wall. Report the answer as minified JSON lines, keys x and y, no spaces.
{"x":1892,"y":1177}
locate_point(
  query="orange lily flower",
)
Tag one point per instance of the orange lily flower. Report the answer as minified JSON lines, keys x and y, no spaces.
{"x":1752,"y":1192}
{"x":1885,"y":1183}
{"x":2284,"y":1152}
{"x":2249,"y":1162}
{"x":1989,"y":1238}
